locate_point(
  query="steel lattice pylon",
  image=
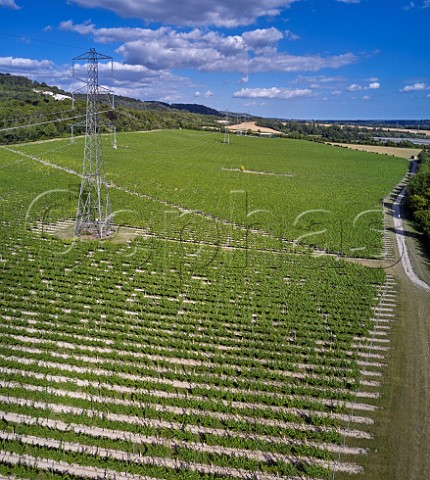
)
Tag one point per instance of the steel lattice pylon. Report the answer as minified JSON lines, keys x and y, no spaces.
{"x":93,"y":212}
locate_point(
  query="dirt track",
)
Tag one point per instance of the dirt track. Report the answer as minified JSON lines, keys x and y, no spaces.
{"x":408,"y":387}
{"x":403,"y":430}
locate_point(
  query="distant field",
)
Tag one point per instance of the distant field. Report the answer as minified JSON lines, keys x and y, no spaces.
{"x":315,"y":194}
{"x":245,"y":126}
{"x":406,"y":153}
{"x":391,"y":129}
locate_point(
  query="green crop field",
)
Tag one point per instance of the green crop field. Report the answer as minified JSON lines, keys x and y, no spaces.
{"x":208,"y":345}
{"x":315,"y":194}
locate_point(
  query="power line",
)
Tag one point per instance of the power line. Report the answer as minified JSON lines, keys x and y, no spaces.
{"x":35,"y":116}
{"x":41,"y":41}
{"x":57,"y":120}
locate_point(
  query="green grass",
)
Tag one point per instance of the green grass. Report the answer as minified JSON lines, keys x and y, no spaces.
{"x":332,"y":198}
{"x":241,"y":348}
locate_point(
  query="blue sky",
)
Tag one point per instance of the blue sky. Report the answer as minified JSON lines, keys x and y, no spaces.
{"x":304,"y":59}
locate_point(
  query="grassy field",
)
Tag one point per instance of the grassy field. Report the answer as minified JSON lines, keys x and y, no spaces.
{"x":315,"y":194}
{"x":202,"y":349}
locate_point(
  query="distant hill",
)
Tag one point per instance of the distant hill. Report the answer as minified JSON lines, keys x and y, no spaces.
{"x":129,"y":102}
{"x":22,"y":88}
{"x":194,"y":108}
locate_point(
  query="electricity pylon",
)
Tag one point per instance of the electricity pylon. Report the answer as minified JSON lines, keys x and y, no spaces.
{"x":93,"y":212}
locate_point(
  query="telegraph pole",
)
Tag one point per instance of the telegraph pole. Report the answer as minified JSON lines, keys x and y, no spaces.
{"x":93,"y":212}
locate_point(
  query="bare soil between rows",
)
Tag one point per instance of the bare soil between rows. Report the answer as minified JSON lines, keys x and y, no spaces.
{"x":401,"y":450}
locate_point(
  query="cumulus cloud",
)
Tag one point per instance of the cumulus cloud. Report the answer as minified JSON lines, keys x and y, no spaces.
{"x":84,"y":28}
{"x":9,"y":4}
{"x":225,"y":54}
{"x":354,"y":87}
{"x":416,"y":87}
{"x":141,"y":82}
{"x":222,"y":13}
{"x":167,"y":48}
{"x":15,"y":64}
{"x":374,"y":86}
{"x":262,"y":38}
{"x":274,"y":92}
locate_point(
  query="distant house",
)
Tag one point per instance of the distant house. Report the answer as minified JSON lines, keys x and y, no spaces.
{"x":265,"y":134}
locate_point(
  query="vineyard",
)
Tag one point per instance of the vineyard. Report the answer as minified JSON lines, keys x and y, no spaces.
{"x":211,"y":344}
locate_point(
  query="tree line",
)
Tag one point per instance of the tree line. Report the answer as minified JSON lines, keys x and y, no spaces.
{"x":337,"y":133}
{"x":418,"y":194}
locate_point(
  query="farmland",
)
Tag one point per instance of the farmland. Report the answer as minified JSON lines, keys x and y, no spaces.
{"x":319,"y":195}
{"x":210,"y":345}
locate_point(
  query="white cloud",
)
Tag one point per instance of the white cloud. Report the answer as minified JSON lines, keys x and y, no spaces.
{"x":167,"y":48}
{"x":139,"y":82}
{"x":348,"y":1}
{"x":255,"y":104}
{"x":215,"y":52}
{"x":354,"y":87}
{"x":290,"y":35}
{"x":374,"y":86}
{"x":365,"y":97}
{"x":416,"y":87}
{"x":261,"y":38}
{"x":426,"y":4}
{"x":15,"y":64}
{"x":274,"y":92}
{"x":222,"y":13}
{"x":84,"y":28}
{"x":9,"y":4}
{"x":150,"y":56}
